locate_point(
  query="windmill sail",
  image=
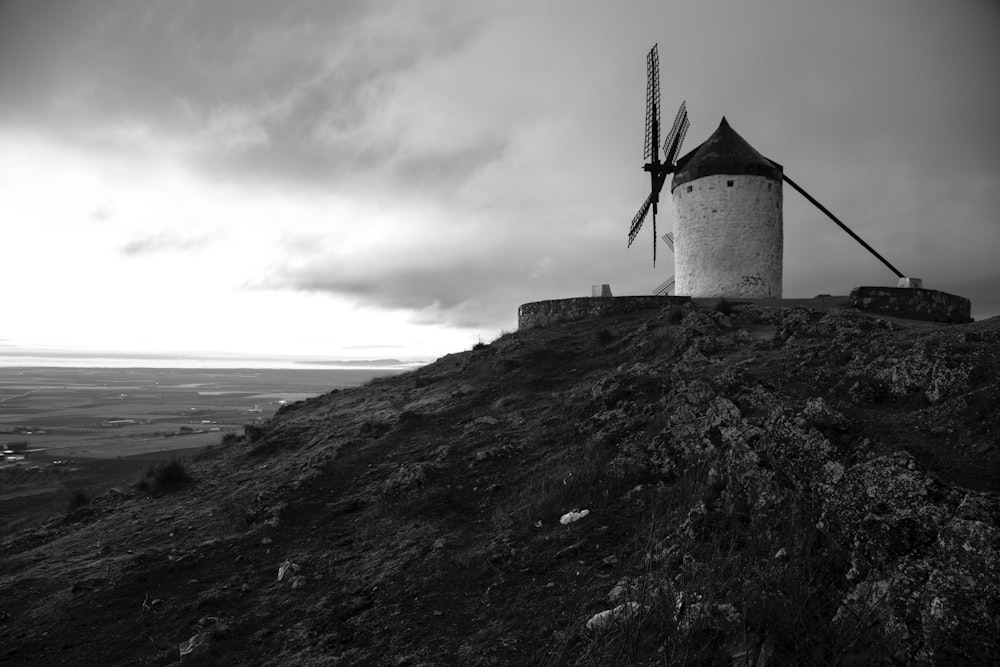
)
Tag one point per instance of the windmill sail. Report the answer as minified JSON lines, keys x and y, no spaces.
{"x":652,"y":105}
{"x":666,"y":287}
{"x":675,"y":138}
{"x":658,"y":170}
{"x":639,"y":218}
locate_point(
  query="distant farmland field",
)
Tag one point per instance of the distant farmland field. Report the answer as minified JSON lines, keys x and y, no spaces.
{"x":92,"y":428}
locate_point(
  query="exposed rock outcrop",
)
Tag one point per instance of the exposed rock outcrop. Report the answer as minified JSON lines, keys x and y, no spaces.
{"x":766,"y":486}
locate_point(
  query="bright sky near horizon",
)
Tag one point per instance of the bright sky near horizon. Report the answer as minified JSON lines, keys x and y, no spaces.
{"x":368,"y":178}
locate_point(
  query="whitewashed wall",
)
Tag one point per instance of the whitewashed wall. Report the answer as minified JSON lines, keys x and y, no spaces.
{"x":728,"y":239}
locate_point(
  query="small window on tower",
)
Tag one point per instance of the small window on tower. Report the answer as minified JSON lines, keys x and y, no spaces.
{"x":690,"y":187}
{"x":729,"y":184}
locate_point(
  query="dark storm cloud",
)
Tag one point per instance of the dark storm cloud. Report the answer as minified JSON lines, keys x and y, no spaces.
{"x":245,"y":87}
{"x":118,"y":58}
{"x":460,"y":293}
{"x":481,"y":286}
{"x":520,"y":128}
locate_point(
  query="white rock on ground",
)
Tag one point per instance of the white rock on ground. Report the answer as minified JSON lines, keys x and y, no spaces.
{"x":608,"y":617}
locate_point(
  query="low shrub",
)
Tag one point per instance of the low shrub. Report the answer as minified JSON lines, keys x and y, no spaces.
{"x":164,"y":477}
{"x":78,"y":499}
{"x":239,"y":512}
{"x":169,"y":474}
{"x":253,"y":433}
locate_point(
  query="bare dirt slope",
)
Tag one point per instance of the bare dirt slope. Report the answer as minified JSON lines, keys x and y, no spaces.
{"x":771,"y":486}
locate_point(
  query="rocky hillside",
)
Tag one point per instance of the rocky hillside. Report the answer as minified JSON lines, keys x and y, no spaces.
{"x":740,"y":486}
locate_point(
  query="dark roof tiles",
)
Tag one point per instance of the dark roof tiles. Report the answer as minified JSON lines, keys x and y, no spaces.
{"x":725,"y":152}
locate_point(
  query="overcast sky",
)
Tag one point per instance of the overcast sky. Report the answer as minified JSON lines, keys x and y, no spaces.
{"x":366,"y":179}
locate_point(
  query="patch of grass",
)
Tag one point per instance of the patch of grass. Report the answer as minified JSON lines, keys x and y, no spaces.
{"x":580,"y":477}
{"x":767,"y":585}
{"x":676,"y":315}
{"x":479,"y":346}
{"x":240,"y":511}
{"x":374,"y":429}
{"x":420,"y":381}
{"x":603,"y":337}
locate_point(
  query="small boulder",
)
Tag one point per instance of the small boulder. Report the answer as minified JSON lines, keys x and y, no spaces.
{"x":286,"y":569}
{"x":573,"y":515}
{"x":605,"y":619}
{"x":196,"y":648}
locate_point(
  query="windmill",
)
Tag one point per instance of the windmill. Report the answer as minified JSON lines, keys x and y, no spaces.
{"x":723,"y":184}
{"x":658,"y":170}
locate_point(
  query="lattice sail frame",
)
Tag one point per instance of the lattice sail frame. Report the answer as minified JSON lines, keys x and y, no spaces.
{"x":675,"y":138}
{"x":637,"y":221}
{"x":652,"y":105}
{"x":658,"y":170}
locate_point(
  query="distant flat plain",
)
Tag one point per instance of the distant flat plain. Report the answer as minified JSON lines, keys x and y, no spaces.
{"x":91,"y":428}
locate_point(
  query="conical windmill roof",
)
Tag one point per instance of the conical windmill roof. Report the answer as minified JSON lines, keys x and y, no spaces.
{"x":725,"y":152}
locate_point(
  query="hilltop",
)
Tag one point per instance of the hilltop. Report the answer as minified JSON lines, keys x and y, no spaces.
{"x":762,"y":486}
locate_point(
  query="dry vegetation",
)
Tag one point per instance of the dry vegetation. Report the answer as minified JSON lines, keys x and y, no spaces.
{"x":764,"y":486}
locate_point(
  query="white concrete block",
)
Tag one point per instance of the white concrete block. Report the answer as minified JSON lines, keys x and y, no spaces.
{"x":600,"y":290}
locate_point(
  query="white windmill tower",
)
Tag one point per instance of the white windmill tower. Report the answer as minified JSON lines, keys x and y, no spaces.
{"x":728,"y":231}
{"x":727,"y":220}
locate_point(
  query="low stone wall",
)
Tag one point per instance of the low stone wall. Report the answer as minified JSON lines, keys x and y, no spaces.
{"x":912,"y":303}
{"x":543,"y":313}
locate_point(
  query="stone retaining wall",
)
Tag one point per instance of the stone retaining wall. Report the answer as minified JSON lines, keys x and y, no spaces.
{"x":543,"y":313}
{"x":909,"y":303}
{"x":912,"y":303}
